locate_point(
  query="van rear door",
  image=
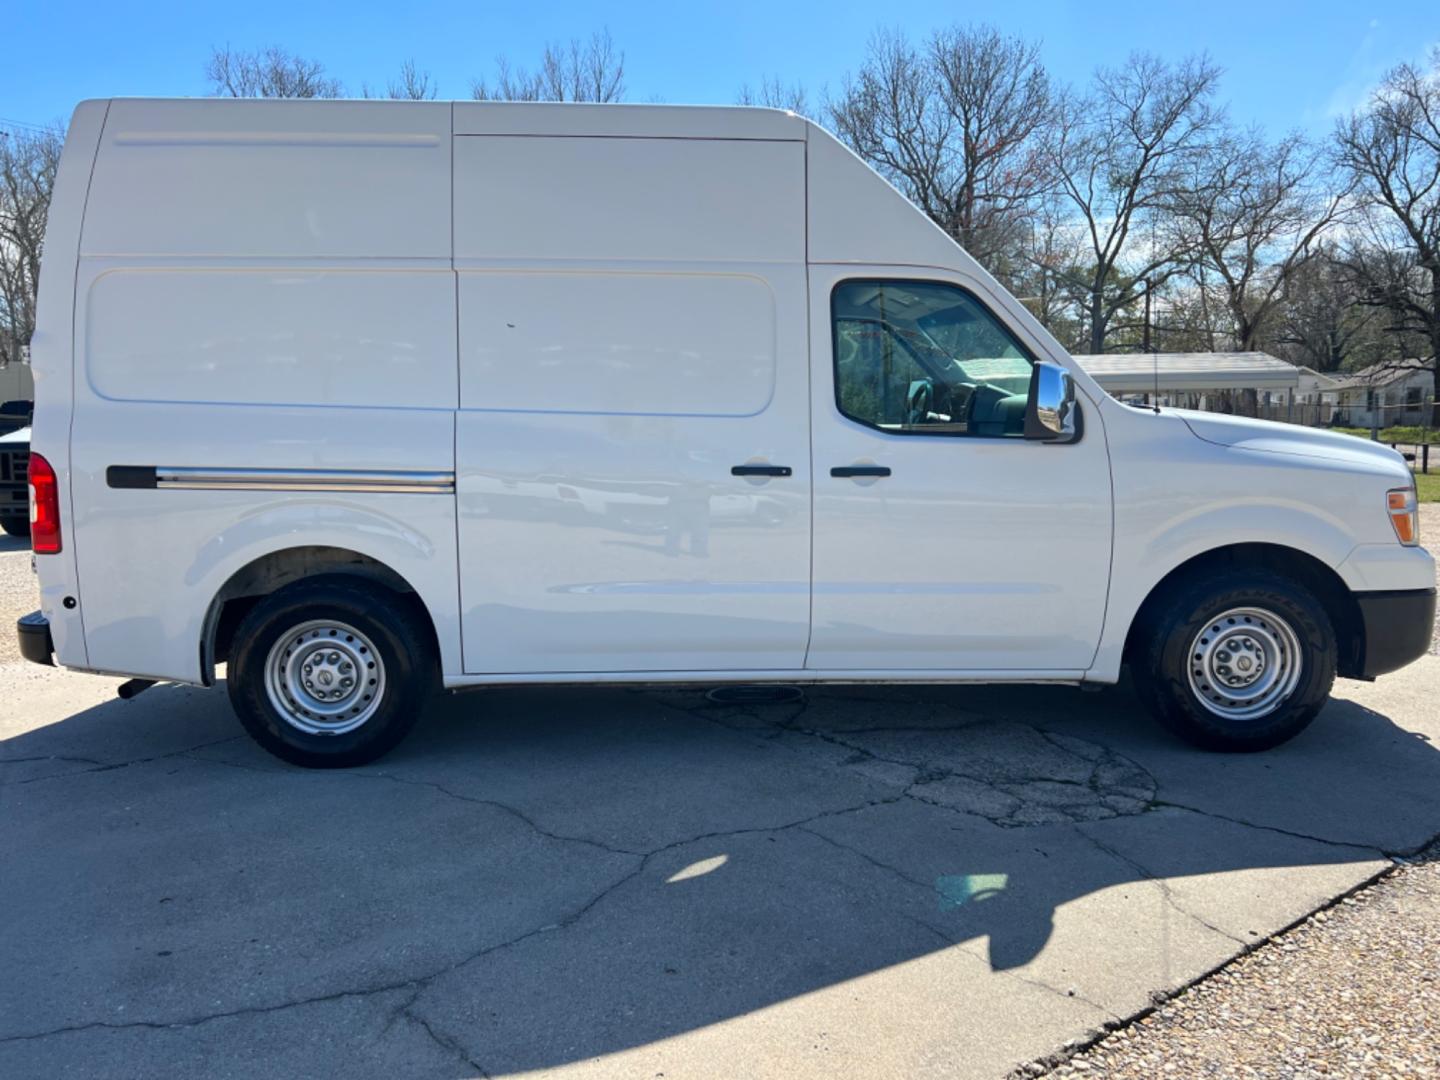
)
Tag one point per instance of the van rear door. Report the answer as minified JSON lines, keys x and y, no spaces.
{"x":263,"y":288}
{"x":633,"y":460}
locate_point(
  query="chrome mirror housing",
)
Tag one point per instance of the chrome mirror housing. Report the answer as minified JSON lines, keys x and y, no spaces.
{"x":1051,"y":414}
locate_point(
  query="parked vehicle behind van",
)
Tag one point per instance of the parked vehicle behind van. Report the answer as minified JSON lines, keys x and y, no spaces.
{"x":14,"y":491}
{"x":373,"y":398}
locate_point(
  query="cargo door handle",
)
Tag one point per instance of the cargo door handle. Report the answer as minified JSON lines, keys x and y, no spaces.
{"x":760,"y":470}
{"x":845,"y":471}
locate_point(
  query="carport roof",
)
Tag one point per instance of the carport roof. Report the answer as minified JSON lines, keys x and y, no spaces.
{"x":1136,"y":372}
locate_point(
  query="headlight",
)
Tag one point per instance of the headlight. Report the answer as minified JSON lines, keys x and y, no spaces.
{"x":1403,"y":515}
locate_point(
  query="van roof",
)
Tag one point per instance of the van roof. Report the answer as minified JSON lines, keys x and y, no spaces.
{"x":542,"y":118}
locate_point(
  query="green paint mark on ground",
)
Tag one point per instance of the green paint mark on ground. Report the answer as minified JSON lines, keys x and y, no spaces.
{"x":957,"y":890}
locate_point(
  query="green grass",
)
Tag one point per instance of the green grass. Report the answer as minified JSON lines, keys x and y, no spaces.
{"x":1427,"y":486}
{"x":1410,"y":434}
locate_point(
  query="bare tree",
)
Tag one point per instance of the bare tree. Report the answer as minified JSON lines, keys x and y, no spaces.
{"x":1050,"y":245}
{"x":1391,"y":149}
{"x":1254,"y":215}
{"x":957,"y":124}
{"x":774,"y":94}
{"x":1321,"y":322}
{"x":1121,"y":155}
{"x":580,"y":71}
{"x":412,"y":85}
{"x":28,"y":160}
{"x":268,"y":73}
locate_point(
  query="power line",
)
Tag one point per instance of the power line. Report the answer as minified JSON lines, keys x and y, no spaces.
{"x":6,"y":121}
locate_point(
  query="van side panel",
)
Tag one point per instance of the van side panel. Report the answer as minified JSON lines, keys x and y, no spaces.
{"x":52,"y":357}
{"x":632,"y":327}
{"x":615,"y":200}
{"x":676,"y":355}
{"x":856,"y":216}
{"x":264,"y":289}
{"x":250,"y":336}
{"x":272,"y":179}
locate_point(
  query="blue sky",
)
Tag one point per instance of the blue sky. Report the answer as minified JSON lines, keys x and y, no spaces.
{"x":1287,"y":64}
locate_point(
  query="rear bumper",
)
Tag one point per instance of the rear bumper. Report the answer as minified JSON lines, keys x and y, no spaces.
{"x":36,"y":646}
{"x":1398,"y":625}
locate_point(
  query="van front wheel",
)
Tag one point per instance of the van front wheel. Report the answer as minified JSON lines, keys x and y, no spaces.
{"x":16,"y":526}
{"x":1239,"y":661}
{"x":330,"y":673}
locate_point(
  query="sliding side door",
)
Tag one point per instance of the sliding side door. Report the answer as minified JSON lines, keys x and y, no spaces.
{"x":633,"y":461}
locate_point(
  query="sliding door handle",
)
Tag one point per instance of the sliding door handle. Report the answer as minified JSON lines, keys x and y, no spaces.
{"x":844,"y":471}
{"x":760,"y":470}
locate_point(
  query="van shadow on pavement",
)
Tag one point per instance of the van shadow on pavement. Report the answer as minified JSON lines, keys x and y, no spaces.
{"x":542,"y":877}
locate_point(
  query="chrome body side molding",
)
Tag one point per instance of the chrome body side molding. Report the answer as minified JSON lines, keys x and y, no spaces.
{"x":187,"y":478}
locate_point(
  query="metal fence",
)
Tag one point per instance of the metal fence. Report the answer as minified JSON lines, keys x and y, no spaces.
{"x":1408,"y":427}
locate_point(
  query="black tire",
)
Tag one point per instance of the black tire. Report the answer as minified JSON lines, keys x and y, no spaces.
{"x":1164,"y":663}
{"x":390,"y":629}
{"x":16,"y":526}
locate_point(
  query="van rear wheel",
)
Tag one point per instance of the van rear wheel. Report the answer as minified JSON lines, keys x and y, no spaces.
{"x":331,"y":673}
{"x":1238,"y":661}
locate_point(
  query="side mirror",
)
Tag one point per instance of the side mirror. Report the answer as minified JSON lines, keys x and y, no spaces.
{"x":1051,"y":414}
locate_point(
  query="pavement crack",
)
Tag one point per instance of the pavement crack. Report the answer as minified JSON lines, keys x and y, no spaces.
{"x":196,"y":1021}
{"x":507,"y":809}
{"x":1159,"y":999}
{"x":417,"y":983}
{"x":756,"y":829}
{"x":1163,"y":884}
{"x":445,"y":1042}
{"x":111,"y":766}
{"x":422,"y":982}
{"x":1115,"y":1019}
{"x":878,"y":864}
{"x":435,"y":785}
{"x":1166,"y":804}
{"x":1411,"y":852}
{"x":1001,"y":821}
{"x":947,"y":938}
{"x":69,"y":760}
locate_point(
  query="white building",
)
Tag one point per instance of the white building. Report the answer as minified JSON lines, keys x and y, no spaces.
{"x":1187,"y":378}
{"x":1249,"y":383}
{"x":1310,"y":390}
{"x":1381,"y":395}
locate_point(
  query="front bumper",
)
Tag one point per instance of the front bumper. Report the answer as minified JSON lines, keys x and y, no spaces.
{"x":1398,"y":625}
{"x":36,"y":646}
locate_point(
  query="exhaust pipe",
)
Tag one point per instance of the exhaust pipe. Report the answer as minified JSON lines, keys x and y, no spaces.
{"x":133,"y":688}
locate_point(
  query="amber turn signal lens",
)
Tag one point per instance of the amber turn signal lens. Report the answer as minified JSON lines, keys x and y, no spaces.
{"x":1403,"y":515}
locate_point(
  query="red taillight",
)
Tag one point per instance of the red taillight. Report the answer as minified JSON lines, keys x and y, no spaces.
{"x":44,"y":507}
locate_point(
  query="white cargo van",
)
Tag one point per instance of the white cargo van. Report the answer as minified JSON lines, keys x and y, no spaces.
{"x":370,"y":398}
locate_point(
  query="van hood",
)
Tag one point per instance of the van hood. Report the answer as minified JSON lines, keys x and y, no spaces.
{"x":1272,"y":437}
{"x":21,"y":436}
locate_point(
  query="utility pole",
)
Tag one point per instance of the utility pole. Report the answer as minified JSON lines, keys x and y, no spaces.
{"x":1145,"y":330}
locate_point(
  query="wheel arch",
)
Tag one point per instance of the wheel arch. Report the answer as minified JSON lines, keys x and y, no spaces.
{"x":1322,"y":581}
{"x":268,"y":573}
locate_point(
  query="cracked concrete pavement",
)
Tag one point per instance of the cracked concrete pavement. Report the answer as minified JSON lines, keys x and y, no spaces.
{"x":609,"y":882}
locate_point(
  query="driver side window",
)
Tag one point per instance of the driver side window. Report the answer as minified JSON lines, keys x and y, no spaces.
{"x":921,"y":357}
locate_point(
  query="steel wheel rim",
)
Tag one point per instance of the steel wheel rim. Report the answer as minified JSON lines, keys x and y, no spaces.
{"x":1244,"y":663}
{"x":324,"y":677}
